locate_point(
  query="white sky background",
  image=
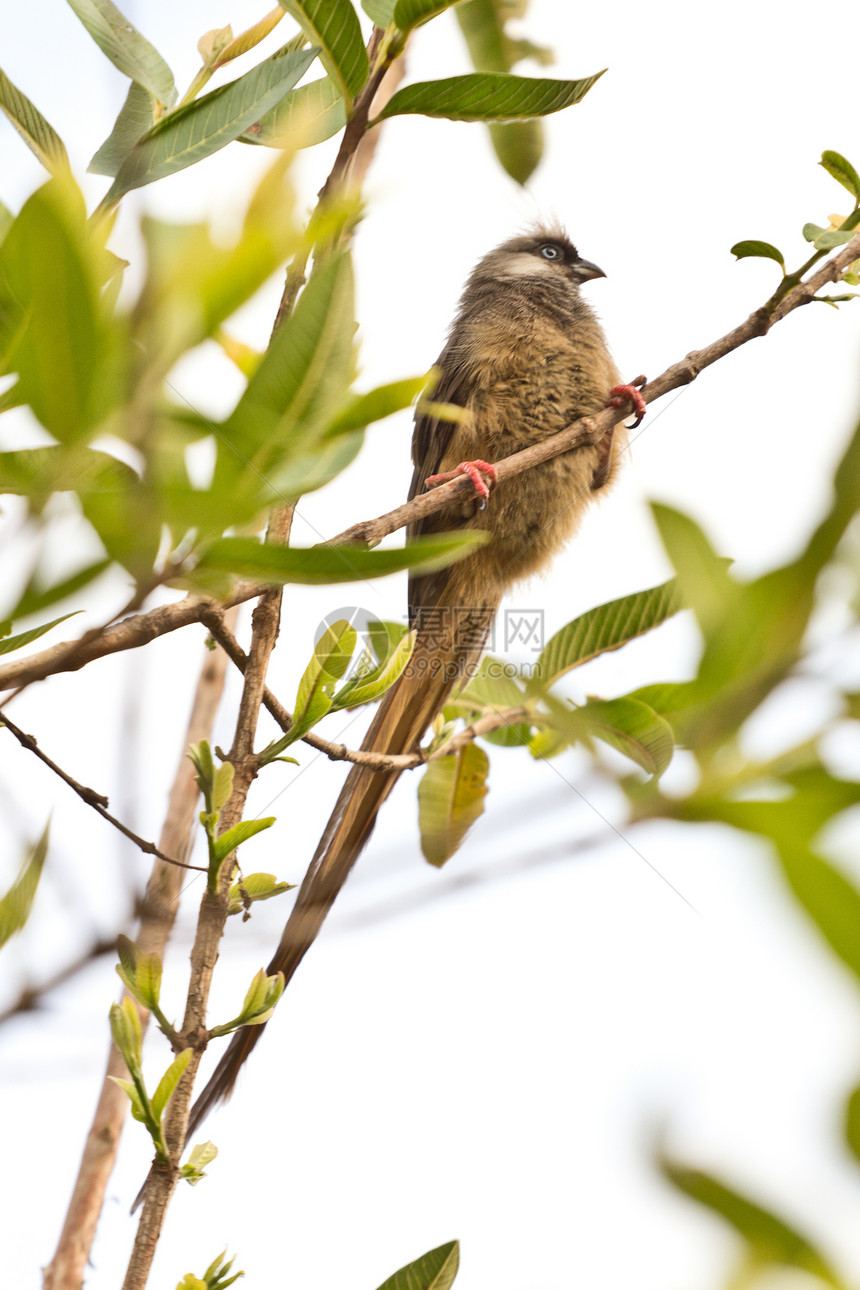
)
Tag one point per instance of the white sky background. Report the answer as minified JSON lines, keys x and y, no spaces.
{"x":487,"y":1062}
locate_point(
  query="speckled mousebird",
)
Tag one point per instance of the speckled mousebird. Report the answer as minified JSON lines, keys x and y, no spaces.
{"x":525,"y":357}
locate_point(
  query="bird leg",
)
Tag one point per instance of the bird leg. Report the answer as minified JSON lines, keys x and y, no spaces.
{"x":619,"y":394}
{"x":475,"y":470}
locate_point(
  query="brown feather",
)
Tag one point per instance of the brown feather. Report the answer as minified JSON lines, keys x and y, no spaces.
{"x":525,"y":357}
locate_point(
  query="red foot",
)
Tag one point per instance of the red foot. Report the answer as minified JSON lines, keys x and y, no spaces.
{"x":476,"y":470}
{"x":621,"y":394}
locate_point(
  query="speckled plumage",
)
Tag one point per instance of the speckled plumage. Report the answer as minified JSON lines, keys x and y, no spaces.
{"x":525,"y":357}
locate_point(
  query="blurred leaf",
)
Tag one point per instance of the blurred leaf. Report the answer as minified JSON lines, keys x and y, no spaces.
{"x":308,"y":115}
{"x":493,"y":689}
{"x":380,"y":12}
{"x":414,"y":13}
{"x":301,"y":381}
{"x":194,"y":284}
{"x":130,"y":52}
{"x":435,"y":1270}
{"x":384,"y":637}
{"x":770,"y":1240}
{"x":486,"y":96}
{"x":761,"y":250}
{"x":6,"y":221}
{"x":239,"y":833}
{"x":334,"y":26}
{"x":605,"y":628}
{"x":248,"y":39}
{"x":25,"y":638}
{"x":15,"y":905}
{"x":363,"y":409}
{"x":209,"y":123}
{"x":842,"y":171}
{"x":65,"y":355}
{"x":247,"y":558}
{"x":38,"y":472}
{"x":40,"y":137}
{"x":168,"y":1082}
{"x":852,"y":1122}
{"x":136,"y":117}
{"x":631,"y":727}
{"x":450,"y":799}
{"x":36,"y":597}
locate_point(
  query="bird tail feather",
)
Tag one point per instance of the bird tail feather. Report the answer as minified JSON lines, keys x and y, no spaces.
{"x":406,"y":711}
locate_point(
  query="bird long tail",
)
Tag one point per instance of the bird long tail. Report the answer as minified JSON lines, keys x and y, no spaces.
{"x":406,"y":711}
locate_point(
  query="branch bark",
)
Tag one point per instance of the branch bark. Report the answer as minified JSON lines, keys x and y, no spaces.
{"x":67,"y":1267}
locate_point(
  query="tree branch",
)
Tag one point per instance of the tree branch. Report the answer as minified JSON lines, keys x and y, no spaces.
{"x":96,"y":800}
{"x":142,"y":628}
{"x":67,"y":1267}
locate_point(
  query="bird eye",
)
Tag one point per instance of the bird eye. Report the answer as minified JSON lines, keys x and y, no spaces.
{"x":550,"y":252}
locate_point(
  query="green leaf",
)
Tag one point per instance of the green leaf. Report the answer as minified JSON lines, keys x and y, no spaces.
{"x":769,"y":1240}
{"x":631,"y":727}
{"x":17,"y":902}
{"x":330,"y":660}
{"x":308,"y":115}
{"x":488,"y":96}
{"x":302,"y":379}
{"x":209,"y":123}
{"x":136,"y":118}
{"x":380,"y":12}
{"x":493,"y":689}
{"x":414,"y":13}
{"x":842,"y":171}
{"x":254,"y":887}
{"x":852,"y":1122}
{"x":24,"y":638}
{"x":812,"y":231}
{"x":239,"y":833}
{"x":761,"y":250}
{"x":147,"y":979}
{"x":130,"y":52}
{"x":222,"y":784}
{"x":372,"y":685}
{"x":363,"y":409}
{"x":65,"y":354}
{"x":6,"y":221}
{"x":40,"y":137}
{"x":518,"y":144}
{"x":333,"y":25}
{"x":126,"y":1032}
{"x":435,"y":1270}
{"x":450,"y":799}
{"x":605,"y":628}
{"x":36,"y":598}
{"x":833,"y":237}
{"x":828,"y":898}
{"x":168,"y":1082}
{"x":38,"y":472}
{"x":247,"y":558}
{"x":138,"y":1110}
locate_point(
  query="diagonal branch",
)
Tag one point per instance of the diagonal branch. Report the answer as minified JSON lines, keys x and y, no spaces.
{"x":96,"y":800}
{"x":142,"y":628}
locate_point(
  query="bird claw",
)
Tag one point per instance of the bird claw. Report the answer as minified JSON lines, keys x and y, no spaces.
{"x":620,"y":394}
{"x":474,"y":470}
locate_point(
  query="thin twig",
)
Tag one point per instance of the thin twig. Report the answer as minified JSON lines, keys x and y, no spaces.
{"x":96,"y":800}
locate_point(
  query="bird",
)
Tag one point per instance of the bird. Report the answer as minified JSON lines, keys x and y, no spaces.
{"x":525,"y":357}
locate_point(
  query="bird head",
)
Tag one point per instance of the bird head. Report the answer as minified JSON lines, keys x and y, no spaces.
{"x":545,"y":254}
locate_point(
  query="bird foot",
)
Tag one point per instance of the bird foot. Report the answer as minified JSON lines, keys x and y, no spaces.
{"x":482,"y":474}
{"x":621,"y":394}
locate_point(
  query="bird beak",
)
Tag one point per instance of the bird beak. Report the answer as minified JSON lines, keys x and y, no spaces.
{"x":584,"y":270}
